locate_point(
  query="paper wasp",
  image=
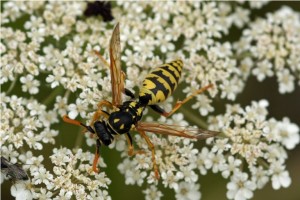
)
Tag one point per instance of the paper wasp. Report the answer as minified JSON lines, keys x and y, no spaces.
{"x":125,"y":116}
{"x":13,"y":171}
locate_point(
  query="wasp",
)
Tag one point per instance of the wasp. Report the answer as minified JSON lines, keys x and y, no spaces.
{"x":122,"y":117}
{"x":13,"y":171}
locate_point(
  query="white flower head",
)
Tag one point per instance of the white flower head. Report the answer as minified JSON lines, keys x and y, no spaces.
{"x":30,"y":84}
{"x":240,"y":188}
{"x":21,"y":192}
{"x":280,"y":177}
{"x":188,"y":191}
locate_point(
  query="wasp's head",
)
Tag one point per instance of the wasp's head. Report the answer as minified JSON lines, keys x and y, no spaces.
{"x":121,"y":121}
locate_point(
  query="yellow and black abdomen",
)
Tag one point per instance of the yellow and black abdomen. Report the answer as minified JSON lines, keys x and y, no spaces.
{"x":160,"y":83}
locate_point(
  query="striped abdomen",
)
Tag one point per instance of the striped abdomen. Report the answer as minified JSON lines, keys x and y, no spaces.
{"x":160,"y":83}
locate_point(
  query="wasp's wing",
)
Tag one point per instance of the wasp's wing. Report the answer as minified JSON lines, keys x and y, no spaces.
{"x":117,"y":78}
{"x":165,"y":129}
{"x":13,"y":171}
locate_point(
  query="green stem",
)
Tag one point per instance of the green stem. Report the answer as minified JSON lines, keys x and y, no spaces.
{"x":12,"y":85}
{"x":79,"y":138}
{"x":52,"y":95}
{"x":242,"y":55}
{"x":263,"y":162}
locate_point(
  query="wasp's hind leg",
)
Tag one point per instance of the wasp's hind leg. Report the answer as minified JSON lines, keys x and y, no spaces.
{"x":179,"y":103}
{"x":151,"y":147}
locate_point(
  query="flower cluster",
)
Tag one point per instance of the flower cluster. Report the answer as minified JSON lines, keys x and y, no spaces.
{"x":48,"y":69}
{"x":272,"y":45}
{"x":27,"y":124}
{"x":260,"y":142}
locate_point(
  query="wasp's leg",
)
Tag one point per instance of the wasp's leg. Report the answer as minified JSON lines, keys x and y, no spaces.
{"x":131,"y":151}
{"x":101,"y":58}
{"x":71,"y":121}
{"x":77,"y":123}
{"x":151,"y":146}
{"x":126,"y":91}
{"x":129,"y":93}
{"x":97,"y":156}
{"x":100,"y":112}
{"x":179,"y":103}
{"x":158,"y":109}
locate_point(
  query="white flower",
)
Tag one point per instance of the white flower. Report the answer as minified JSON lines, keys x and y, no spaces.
{"x":30,"y":161}
{"x":286,"y":81}
{"x":201,"y":161}
{"x":6,"y":73}
{"x":151,"y":193}
{"x":165,"y":44}
{"x":240,"y":188}
{"x":221,"y":145}
{"x":79,"y":108}
{"x":177,"y":119}
{"x":21,"y":192}
{"x":280,"y":177}
{"x":31,"y":67}
{"x":57,"y":77}
{"x":34,"y":23}
{"x":288,"y":133}
{"x":61,"y":156}
{"x":43,"y":194}
{"x":30,"y":84}
{"x":32,"y":140}
{"x":41,"y":175}
{"x":230,"y":88}
{"x":36,"y":108}
{"x":102,"y":180}
{"x":260,"y":176}
{"x":203,"y":104}
{"x":262,"y":70}
{"x":135,"y":177}
{"x":61,"y":105}
{"x":187,"y":191}
{"x":170,"y":179}
{"x":215,"y":161}
{"x":188,"y":174}
{"x":10,"y":153}
{"x":48,"y":136}
{"x":241,"y":17}
{"x":232,"y":166}
{"x":64,"y":194}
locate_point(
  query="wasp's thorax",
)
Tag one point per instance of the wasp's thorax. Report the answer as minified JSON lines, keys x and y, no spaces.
{"x":123,"y":120}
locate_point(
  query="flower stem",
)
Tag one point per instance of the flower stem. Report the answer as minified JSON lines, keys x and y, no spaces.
{"x":52,"y":95}
{"x":12,"y":85}
{"x":78,"y":141}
